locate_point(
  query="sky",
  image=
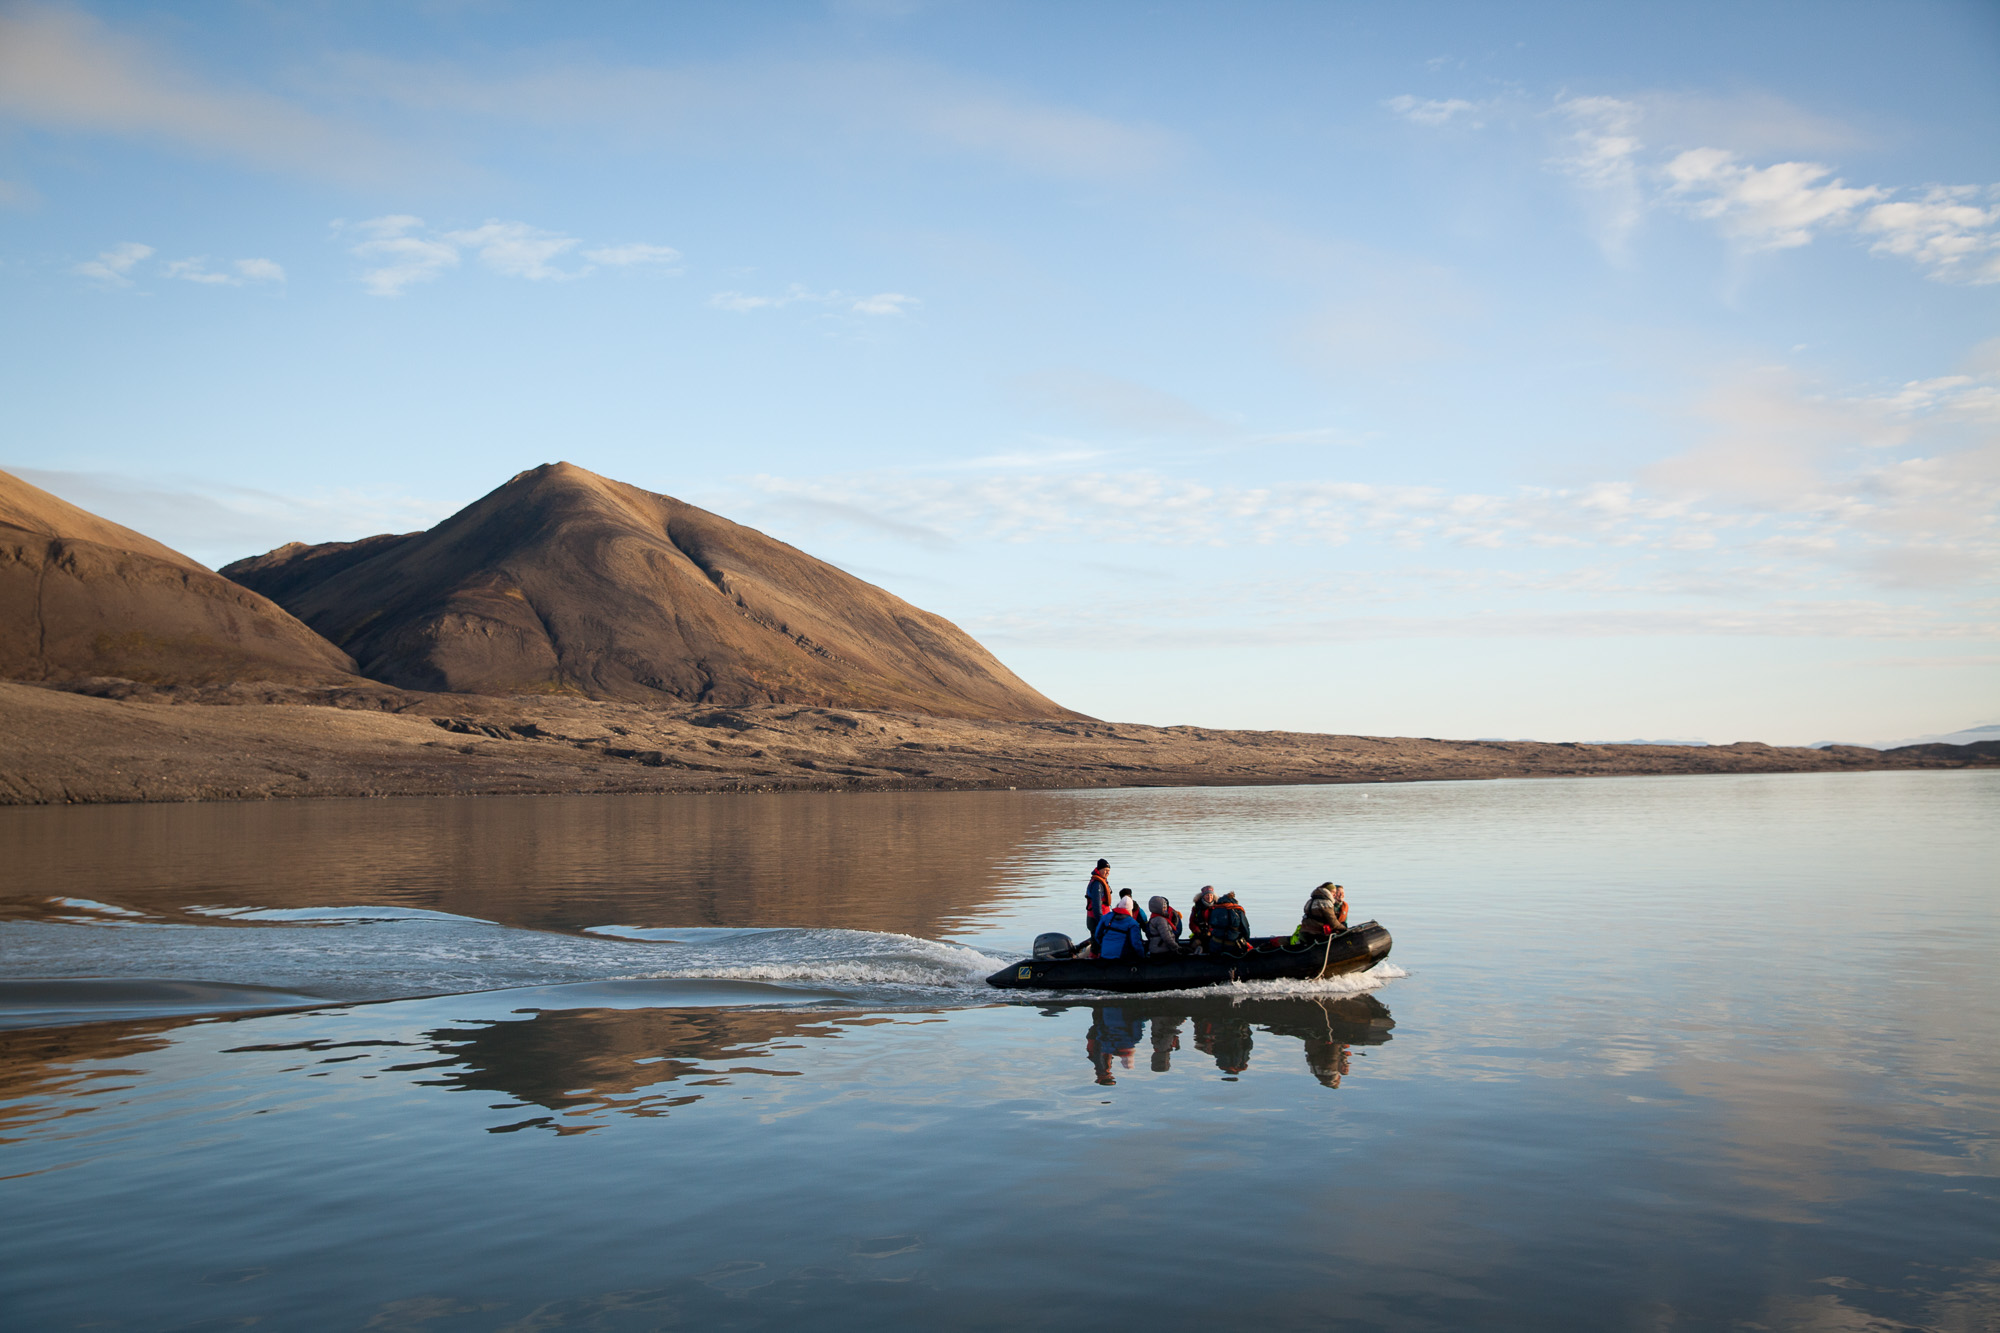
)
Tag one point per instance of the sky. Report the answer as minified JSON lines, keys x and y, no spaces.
{"x":1565,"y":371}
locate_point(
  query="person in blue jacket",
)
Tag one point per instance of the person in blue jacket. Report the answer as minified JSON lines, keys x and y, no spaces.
{"x":1119,"y":936}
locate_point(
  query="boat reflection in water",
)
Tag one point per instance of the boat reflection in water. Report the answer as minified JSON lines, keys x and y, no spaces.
{"x":1224,"y":1030}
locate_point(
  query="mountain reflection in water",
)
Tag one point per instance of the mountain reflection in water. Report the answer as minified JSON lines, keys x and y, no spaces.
{"x":579,"y":1063}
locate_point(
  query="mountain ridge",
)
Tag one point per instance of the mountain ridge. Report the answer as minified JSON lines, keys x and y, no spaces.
{"x":81,"y":596}
{"x":563,"y":581}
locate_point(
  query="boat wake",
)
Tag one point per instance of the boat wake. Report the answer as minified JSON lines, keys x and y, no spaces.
{"x":348,"y":954}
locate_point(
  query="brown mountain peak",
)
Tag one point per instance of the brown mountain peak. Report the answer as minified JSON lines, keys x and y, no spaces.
{"x":564,"y":580}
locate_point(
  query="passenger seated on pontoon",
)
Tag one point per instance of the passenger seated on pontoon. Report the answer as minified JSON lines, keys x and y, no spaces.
{"x":1325,"y":915}
{"x":1228,"y":926}
{"x":1198,"y":910}
{"x":1119,"y":936}
{"x":1163,"y":927}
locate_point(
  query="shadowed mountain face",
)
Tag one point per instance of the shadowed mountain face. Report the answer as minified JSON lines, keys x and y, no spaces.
{"x":563,"y":581}
{"x":80,"y":596}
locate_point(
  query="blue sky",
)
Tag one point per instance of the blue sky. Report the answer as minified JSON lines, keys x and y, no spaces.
{"x":1567,"y":371}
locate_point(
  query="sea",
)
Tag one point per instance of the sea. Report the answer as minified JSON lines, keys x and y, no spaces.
{"x":1709,"y":1052}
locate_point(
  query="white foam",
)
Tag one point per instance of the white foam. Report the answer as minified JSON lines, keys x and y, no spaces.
{"x":91,"y":905}
{"x":345,"y":915}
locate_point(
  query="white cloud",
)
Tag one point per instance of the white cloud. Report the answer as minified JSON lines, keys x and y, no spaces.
{"x":885,"y":303}
{"x":400,"y":257}
{"x":403,"y":250}
{"x":1947,"y":231}
{"x":1600,"y":154}
{"x":516,"y":249}
{"x":1775,"y":207}
{"x":260,"y":270}
{"x":621,"y":256}
{"x":1431,"y":111}
{"x":246,"y":270}
{"x":113,"y":265}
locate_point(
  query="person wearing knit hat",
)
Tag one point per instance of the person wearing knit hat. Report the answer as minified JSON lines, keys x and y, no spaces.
{"x":1325,"y":915}
{"x":1198,"y":910}
{"x":1097,"y":896}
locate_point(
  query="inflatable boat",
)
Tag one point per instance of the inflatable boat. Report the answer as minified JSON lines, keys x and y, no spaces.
{"x":1055,"y":966}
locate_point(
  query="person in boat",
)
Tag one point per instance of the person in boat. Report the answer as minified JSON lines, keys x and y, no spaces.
{"x":1118,"y":934}
{"x":1128,"y":901}
{"x":1228,"y":926}
{"x":1198,"y":910}
{"x":1163,"y":927}
{"x":1097,"y":896}
{"x":1325,"y":915}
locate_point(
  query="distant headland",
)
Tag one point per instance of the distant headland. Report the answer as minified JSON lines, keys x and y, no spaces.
{"x":570,"y":633}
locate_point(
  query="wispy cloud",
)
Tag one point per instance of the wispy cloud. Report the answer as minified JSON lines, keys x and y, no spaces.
{"x":808,"y":106}
{"x":217,"y":522}
{"x":1629,"y":156}
{"x":63,"y":70}
{"x":1436,"y":111}
{"x":882,"y":303}
{"x":238,"y":273}
{"x":113,"y":267}
{"x":401,"y":250}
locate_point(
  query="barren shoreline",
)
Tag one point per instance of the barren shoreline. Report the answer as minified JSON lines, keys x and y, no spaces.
{"x":107,"y":741}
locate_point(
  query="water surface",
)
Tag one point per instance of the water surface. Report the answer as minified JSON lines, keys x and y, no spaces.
{"x":1660,"y":1052}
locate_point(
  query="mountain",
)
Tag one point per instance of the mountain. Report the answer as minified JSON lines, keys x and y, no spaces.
{"x":562,"y":581}
{"x":82,"y":596}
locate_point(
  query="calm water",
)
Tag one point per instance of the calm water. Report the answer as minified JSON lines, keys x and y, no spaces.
{"x":1717,"y":1052}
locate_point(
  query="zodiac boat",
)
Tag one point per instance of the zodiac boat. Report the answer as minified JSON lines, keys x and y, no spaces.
{"x":1054,"y":968}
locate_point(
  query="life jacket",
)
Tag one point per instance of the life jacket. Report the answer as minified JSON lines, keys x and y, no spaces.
{"x":1228,"y":921}
{"x":1097,"y":894}
{"x":1198,"y":915}
{"x":1173,"y":919}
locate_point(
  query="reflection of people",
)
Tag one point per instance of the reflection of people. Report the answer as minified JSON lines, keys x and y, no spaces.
{"x":1112,"y":1035}
{"x":1097,"y":895}
{"x":1204,"y":903}
{"x":1227,"y":1038}
{"x":1325,"y":914}
{"x":1118,"y":934}
{"x":1166,"y":1040}
{"x":1228,"y":926}
{"x":1163,"y":928}
{"x":1327,"y":1060}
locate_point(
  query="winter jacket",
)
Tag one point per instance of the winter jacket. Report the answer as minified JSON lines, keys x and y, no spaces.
{"x":1118,"y":936}
{"x":1228,"y":926}
{"x":1198,"y":919}
{"x":1163,"y":928}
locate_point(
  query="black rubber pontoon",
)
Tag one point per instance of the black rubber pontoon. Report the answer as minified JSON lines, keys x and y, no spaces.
{"x":1353,"y":950}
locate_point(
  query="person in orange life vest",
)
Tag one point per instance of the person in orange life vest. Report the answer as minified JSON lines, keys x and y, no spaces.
{"x":1326,"y":914}
{"x":1204,"y":903}
{"x":1163,"y":927}
{"x":1097,"y":896}
{"x":1131,"y":904}
{"x":1228,"y":926}
{"x":1119,"y":936}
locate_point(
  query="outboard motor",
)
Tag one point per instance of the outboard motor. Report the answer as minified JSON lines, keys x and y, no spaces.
{"x":1053,"y":945}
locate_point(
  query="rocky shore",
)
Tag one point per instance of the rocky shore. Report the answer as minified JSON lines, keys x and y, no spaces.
{"x":116,"y":741}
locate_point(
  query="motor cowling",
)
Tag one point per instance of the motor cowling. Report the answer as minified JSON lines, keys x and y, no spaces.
{"x":1053,"y":944}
